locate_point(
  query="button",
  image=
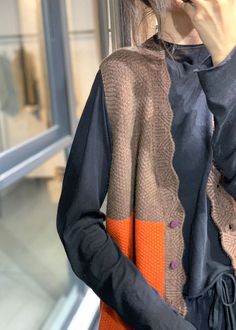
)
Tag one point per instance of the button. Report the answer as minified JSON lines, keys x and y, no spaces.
{"x":174,"y":223}
{"x":173,"y":264}
{"x":232,"y":226}
{"x":173,"y":307}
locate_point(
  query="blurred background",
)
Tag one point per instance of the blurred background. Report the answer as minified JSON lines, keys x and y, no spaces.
{"x":50,"y":51}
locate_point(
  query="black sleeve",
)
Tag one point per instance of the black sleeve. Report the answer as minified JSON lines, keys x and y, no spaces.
{"x":94,"y":256}
{"x":219,"y":85}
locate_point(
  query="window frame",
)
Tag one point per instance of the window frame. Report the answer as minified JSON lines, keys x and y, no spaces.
{"x":21,"y":159}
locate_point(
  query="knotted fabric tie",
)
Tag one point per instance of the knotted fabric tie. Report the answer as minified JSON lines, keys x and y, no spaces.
{"x":222,"y":303}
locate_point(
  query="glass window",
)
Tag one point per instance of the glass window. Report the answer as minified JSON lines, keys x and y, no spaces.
{"x":84,"y":47}
{"x":34,"y":273}
{"x":25,"y":109}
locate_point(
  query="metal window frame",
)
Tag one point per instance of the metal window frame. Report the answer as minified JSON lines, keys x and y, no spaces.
{"x":23,"y":158}
{"x":119,"y":30}
{"x":101,"y":7}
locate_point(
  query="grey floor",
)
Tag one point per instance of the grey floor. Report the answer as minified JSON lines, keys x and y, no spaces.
{"x":33,"y":266}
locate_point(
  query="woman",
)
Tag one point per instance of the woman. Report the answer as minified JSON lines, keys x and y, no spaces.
{"x":119,"y":138}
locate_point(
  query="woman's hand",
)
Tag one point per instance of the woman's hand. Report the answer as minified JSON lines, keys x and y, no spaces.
{"x":215,"y":21}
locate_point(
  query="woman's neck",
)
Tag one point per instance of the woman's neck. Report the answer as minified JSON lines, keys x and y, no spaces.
{"x":177,"y":27}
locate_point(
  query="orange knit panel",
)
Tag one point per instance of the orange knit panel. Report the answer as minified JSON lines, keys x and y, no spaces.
{"x":150,"y":252}
{"x":110,"y":320}
{"x":122,"y":233}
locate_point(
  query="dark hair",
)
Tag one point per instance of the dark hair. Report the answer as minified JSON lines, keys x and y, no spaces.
{"x":147,"y":3}
{"x":139,"y":14}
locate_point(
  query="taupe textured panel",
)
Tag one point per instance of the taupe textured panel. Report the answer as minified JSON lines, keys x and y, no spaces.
{"x":223,"y":213}
{"x":142,"y":178}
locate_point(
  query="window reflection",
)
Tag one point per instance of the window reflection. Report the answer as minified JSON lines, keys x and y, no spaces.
{"x":24,"y":93}
{"x":84,"y":47}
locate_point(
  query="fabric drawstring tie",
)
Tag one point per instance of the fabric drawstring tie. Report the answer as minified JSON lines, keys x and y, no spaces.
{"x":222,"y":301}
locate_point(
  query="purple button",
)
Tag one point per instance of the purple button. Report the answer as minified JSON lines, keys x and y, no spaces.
{"x":232,"y":226}
{"x":173,"y":264}
{"x":174,"y":223}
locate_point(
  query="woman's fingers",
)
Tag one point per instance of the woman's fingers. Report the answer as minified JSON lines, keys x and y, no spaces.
{"x":191,"y":3}
{"x":215,"y":22}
